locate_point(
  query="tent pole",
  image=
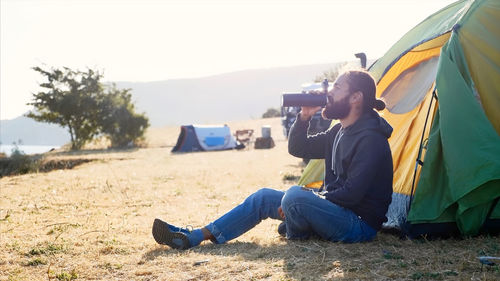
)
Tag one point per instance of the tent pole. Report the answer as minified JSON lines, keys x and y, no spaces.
{"x":419,"y":161}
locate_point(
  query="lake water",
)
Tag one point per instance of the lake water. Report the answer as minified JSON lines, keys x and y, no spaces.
{"x":27,"y":149}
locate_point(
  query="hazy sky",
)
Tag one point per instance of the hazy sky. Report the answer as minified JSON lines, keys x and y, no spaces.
{"x":158,"y":40}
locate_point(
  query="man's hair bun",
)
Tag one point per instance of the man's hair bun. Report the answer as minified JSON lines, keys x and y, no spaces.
{"x":379,"y":104}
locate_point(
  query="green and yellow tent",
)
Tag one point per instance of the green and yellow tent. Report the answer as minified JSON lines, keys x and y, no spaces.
{"x":441,"y":84}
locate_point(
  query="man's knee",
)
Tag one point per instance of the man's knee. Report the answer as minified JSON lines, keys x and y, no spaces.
{"x":292,"y":195}
{"x":264,"y":194}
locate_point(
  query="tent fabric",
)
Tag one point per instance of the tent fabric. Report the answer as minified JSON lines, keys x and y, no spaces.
{"x":313,"y":173}
{"x":463,"y":157}
{"x":204,"y":138}
{"x":410,"y":87}
{"x":215,"y":137}
{"x":432,"y":27}
{"x":456,"y":54}
{"x":480,"y":40}
{"x":458,"y":182}
{"x":187,"y":140}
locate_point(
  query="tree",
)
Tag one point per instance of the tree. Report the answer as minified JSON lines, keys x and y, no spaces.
{"x":118,"y":118}
{"x":70,"y":100}
{"x":271,"y":112}
{"x":77,"y":100}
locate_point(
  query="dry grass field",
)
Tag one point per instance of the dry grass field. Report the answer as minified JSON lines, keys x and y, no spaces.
{"x":93,"y":222}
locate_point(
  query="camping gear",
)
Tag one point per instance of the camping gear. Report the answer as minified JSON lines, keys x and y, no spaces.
{"x":266,"y":131}
{"x":440,"y":82}
{"x":244,"y":137}
{"x":266,"y":141}
{"x":204,"y":138}
{"x":362,"y":59}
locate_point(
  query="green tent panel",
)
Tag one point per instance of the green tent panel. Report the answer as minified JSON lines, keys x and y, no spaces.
{"x":463,"y":156}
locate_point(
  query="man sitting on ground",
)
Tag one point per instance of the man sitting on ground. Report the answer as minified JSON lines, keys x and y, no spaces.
{"x":352,"y":204}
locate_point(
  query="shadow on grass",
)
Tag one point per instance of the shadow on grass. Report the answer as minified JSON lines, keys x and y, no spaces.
{"x":93,"y":151}
{"x":386,"y":258}
{"x":300,"y":260}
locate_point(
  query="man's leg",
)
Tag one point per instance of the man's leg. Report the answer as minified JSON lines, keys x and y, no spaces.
{"x":260,"y":205}
{"x":307,"y":213}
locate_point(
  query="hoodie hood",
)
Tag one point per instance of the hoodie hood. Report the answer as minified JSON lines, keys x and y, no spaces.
{"x":370,"y":121}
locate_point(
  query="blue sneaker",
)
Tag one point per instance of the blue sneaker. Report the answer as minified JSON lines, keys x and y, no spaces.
{"x":166,"y":234}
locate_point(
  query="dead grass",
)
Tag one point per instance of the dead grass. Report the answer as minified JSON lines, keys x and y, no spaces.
{"x":93,"y":222}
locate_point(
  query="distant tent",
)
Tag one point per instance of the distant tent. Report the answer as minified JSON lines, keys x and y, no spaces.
{"x":441,"y":84}
{"x":204,"y":138}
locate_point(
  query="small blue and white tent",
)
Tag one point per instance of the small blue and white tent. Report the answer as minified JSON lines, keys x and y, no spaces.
{"x":204,"y":138}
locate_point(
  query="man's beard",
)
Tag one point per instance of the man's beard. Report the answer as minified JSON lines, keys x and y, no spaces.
{"x":337,"y":110}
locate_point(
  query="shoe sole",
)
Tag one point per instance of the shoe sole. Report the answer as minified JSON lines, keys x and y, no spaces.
{"x":163,"y":235}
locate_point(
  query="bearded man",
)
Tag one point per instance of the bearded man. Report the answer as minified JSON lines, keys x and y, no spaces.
{"x":357,"y":189}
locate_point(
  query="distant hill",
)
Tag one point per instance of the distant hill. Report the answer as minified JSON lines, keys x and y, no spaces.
{"x":238,"y":95}
{"x":220,"y":98}
{"x":31,"y":132}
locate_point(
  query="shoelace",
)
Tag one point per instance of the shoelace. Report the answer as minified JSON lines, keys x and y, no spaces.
{"x":189,"y":228}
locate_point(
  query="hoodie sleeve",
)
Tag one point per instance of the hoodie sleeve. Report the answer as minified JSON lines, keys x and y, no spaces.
{"x":362,"y":172}
{"x":302,"y":145}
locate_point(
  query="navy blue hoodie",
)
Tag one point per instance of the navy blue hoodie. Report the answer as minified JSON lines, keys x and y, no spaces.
{"x":359,"y":178}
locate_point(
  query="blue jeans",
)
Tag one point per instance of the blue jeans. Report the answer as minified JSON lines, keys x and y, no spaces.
{"x":306,"y":214}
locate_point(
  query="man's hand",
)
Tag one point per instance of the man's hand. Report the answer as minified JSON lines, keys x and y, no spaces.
{"x":280,"y":211}
{"x":307,"y":112}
